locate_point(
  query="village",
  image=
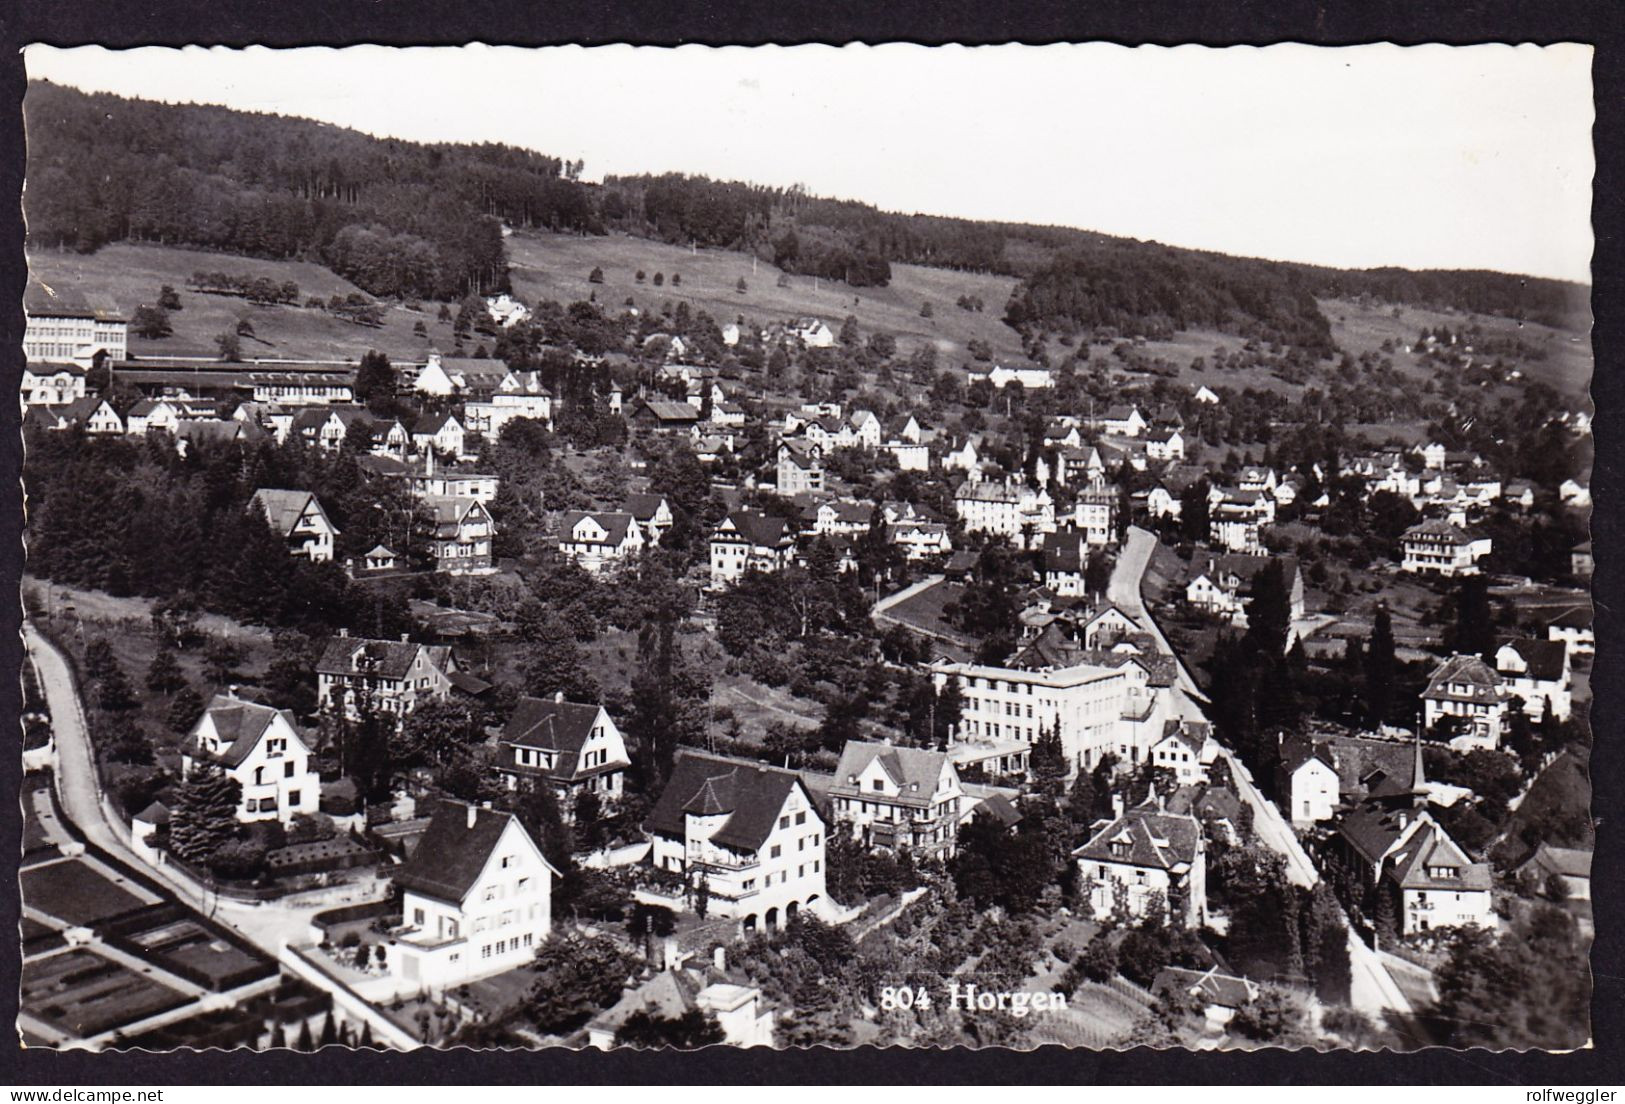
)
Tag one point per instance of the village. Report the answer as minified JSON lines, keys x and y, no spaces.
{"x":640,"y":680}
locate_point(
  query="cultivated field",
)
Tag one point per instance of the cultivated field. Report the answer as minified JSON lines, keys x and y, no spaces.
{"x":556,"y":266}
{"x":131,"y":274}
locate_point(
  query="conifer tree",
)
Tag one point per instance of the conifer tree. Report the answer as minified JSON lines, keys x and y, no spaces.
{"x":164,"y":674}
{"x":205,"y":813}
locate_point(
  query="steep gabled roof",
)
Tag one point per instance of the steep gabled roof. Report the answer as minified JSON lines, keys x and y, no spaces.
{"x":284,"y":508}
{"x":1544,"y":658}
{"x":239,"y":725}
{"x":644,"y":506}
{"x":751,"y":793}
{"x":550,"y":725}
{"x":760,"y":529}
{"x":1154,"y":839}
{"x":1429,"y":849}
{"x":1482,"y":682}
{"x":615,"y":526}
{"x":384,"y":658}
{"x":452,"y":854}
{"x":914,"y":770}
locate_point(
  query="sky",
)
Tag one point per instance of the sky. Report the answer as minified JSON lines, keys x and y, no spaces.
{"x":1356,"y":157}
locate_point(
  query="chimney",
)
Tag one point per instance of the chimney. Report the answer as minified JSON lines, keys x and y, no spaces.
{"x":558,"y":695}
{"x":473,"y":814}
{"x":1117,"y":805}
{"x":231,"y":691}
{"x":344,"y":632}
{"x":405,"y":638}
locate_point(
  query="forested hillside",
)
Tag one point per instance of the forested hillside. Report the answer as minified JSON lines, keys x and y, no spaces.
{"x":416,"y":221}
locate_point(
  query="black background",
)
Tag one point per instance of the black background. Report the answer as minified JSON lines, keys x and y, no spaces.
{"x":339,"y":23}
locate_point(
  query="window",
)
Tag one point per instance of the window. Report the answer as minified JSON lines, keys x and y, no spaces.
{"x":801,"y":818}
{"x":417,"y":917}
{"x":522,"y":885}
{"x":775,"y":852}
{"x":784,"y":822}
{"x":877,"y":784}
{"x":287,"y":769}
{"x":507,"y":861}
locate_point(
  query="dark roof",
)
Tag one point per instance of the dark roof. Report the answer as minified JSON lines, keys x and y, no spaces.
{"x":451,"y":855}
{"x":42,"y":301}
{"x":551,"y":725}
{"x":1569,"y":862}
{"x":759,"y":528}
{"x":1481,"y":680}
{"x":644,"y":506}
{"x":156,"y":813}
{"x":1155,"y":838}
{"x":1429,"y":849}
{"x":752,"y":793}
{"x":1544,"y":658}
{"x":1436,"y":529}
{"x":615,"y":526}
{"x":1001,"y":809}
{"x":239,"y":725}
{"x":387,"y":658}
{"x":665,"y":411}
{"x":431,"y":424}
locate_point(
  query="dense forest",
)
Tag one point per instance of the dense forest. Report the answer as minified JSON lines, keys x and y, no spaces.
{"x":414,"y":220}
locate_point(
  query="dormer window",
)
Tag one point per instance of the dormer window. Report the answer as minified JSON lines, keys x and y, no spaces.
{"x":1120,"y":849}
{"x":878,"y":784}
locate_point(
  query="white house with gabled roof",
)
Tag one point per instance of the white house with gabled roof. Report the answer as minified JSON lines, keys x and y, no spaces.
{"x":476,"y":899}
{"x":261,"y":750}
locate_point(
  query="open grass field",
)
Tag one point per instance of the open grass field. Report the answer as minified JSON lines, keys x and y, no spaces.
{"x":556,"y":266}
{"x":131,"y":274}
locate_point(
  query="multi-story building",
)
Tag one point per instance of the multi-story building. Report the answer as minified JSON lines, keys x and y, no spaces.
{"x":653,"y":514}
{"x":52,"y":384}
{"x":487,"y":416}
{"x":69,"y":328}
{"x":1469,"y":692}
{"x":749,"y":832}
{"x":801,"y":466}
{"x":1437,"y":547}
{"x":460,"y":534}
{"x":1147,"y":859}
{"x":476,"y":899}
{"x":572,"y":748}
{"x":299,"y":520}
{"x":1095,"y":512}
{"x":1537,"y":671}
{"x":749,"y":540}
{"x":902,"y":798}
{"x":261,"y":750}
{"x":388,"y":676}
{"x":1005,"y":509}
{"x":1221,"y":586}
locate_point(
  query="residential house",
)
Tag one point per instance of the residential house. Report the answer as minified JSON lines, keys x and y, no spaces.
{"x":298,"y":518}
{"x":1309,"y":781}
{"x":1575,"y":494}
{"x":440,"y":433}
{"x":1564,"y":869}
{"x":900,"y":798}
{"x":1394,"y":848}
{"x":749,"y":540}
{"x":154,"y":415}
{"x":1472,"y":696}
{"x":1095,"y":512}
{"x":684,"y":990}
{"x":1033,"y":378}
{"x":1237,"y":517}
{"x":598,"y":540}
{"x":1573,"y":627}
{"x":910,"y":456}
{"x":260,"y":749}
{"x":1010,"y":509}
{"x":962,"y":457}
{"x":1123,"y":421}
{"x":476,"y":899}
{"x":1147,"y":858}
{"x":461,"y":532}
{"x":1206,"y":396}
{"x":572,"y":748}
{"x":1221,"y":585}
{"x":653,"y":514}
{"x":390,"y":677}
{"x":487,"y":416}
{"x":750,"y":832}
{"x":920,"y":539}
{"x":813,"y":333}
{"x":1221,"y":996}
{"x":1186,"y":749}
{"x":1538,"y":672}
{"x":1581,"y":561}
{"x":93,"y":413}
{"x":1165,"y":444}
{"x":1066,"y":562}
{"x":46,"y":384}
{"x":801,"y":467}
{"x":435,"y":480}
{"x":1436,"y":547}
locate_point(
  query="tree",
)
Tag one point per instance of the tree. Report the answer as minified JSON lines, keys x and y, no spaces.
{"x":437,"y":732}
{"x":220,"y":662}
{"x":99,"y":659}
{"x":114,"y":692}
{"x":204,"y":818}
{"x":164,"y":675}
{"x":649,"y":923}
{"x":660,"y":278}
{"x":1380,"y":669}
{"x":676,"y":279}
{"x":1474,"y":629}
{"x":1274,"y":1016}
{"x":554,"y":665}
{"x":926,"y":310}
{"x":230,"y":347}
{"x":1269,"y":611}
{"x":690,"y":1031}
{"x":168,"y":298}
{"x":596,"y":276}
{"x":577,"y":976}
{"x":741,"y":286}
{"x":245,"y":328}
{"x":184,"y":711}
{"x":151,"y":323}
{"x":374,"y":378}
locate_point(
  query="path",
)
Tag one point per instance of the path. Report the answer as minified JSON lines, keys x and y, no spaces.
{"x":1371,"y":988}
{"x":79,"y":790}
